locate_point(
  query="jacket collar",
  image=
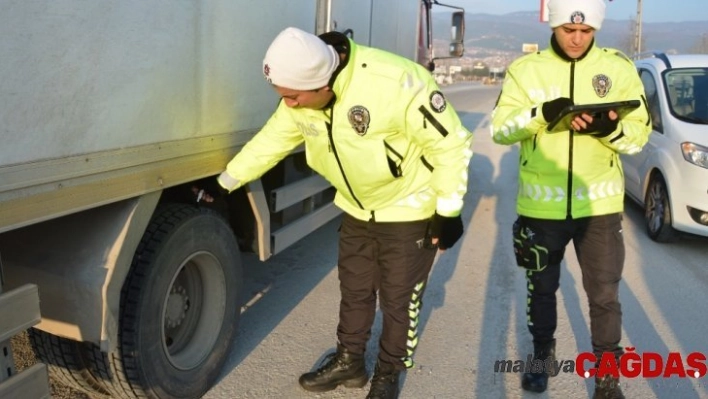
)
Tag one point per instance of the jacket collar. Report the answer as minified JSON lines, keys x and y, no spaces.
{"x":342,"y":75}
{"x":560,"y":53}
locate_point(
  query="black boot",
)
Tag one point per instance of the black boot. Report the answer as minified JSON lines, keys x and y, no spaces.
{"x":340,"y":368}
{"x":537,"y":380}
{"x":384,"y":384}
{"x":607,"y":387}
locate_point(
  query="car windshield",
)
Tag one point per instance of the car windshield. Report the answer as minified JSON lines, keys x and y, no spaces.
{"x":688,"y":93}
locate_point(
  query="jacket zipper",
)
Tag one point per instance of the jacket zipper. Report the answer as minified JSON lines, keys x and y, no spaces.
{"x":336,"y":156}
{"x":427,"y":116}
{"x":426,"y":163}
{"x":569,"y":202}
{"x":397,"y":167}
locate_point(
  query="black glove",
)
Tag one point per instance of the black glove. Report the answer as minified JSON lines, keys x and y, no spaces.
{"x":446,"y":229}
{"x":553,"y":108}
{"x":601,"y":126}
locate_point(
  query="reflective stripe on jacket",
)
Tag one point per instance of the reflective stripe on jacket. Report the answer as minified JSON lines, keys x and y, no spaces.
{"x":391,"y":145}
{"x":566,"y":174}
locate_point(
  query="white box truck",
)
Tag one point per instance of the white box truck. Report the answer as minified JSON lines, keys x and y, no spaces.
{"x":111,"y":112}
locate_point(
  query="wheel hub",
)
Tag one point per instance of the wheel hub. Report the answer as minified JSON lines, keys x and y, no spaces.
{"x":177,"y":306}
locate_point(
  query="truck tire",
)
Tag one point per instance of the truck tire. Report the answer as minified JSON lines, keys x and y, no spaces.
{"x":179,"y":308}
{"x":66,"y":362}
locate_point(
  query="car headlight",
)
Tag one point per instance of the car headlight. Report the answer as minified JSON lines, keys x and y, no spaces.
{"x":695,"y":154}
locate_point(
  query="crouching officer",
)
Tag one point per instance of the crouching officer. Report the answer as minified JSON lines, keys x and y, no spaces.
{"x":377,"y":127}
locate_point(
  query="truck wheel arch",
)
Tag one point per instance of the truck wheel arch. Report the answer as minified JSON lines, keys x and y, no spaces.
{"x":79,"y":263}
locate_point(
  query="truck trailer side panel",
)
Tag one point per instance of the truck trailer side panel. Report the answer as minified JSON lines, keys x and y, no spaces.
{"x":88,"y":87}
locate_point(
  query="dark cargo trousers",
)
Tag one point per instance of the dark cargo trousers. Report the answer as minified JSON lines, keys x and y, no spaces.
{"x":599,"y":246}
{"x":388,"y":258}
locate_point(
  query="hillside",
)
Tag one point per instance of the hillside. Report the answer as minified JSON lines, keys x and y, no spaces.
{"x":508,"y":32}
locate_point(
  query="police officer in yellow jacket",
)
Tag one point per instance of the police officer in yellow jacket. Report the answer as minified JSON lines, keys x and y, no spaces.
{"x":377,"y":127}
{"x":571,"y":184}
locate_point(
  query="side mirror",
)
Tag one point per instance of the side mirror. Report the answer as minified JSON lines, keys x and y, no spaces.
{"x":457,"y":46}
{"x":457,"y":49}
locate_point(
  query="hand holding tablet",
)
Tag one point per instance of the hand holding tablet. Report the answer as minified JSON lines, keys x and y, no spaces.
{"x":563,"y":120}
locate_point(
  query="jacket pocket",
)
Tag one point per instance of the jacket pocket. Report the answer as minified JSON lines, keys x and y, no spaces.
{"x":395,"y":160}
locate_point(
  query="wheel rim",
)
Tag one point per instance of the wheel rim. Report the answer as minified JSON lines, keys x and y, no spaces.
{"x":655,"y":207}
{"x":193,"y":311}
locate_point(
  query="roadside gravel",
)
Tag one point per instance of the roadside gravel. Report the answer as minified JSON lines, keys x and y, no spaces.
{"x":24,"y":358}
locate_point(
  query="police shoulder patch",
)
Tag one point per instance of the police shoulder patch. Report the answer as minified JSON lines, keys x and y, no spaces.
{"x":437,"y":101}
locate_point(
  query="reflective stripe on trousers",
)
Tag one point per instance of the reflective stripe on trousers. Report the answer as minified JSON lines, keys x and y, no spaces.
{"x":387,"y":258}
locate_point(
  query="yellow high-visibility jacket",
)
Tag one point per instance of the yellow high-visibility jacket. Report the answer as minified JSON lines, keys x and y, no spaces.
{"x":390,"y":144}
{"x":567,"y":174}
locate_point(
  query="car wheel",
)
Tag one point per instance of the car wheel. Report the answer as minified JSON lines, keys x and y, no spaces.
{"x":657,"y":212}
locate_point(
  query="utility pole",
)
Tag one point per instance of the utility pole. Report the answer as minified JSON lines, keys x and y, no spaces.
{"x":638,"y":29}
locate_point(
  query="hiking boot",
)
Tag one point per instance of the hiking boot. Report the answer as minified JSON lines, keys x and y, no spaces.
{"x":339,"y":368}
{"x":607,"y":387}
{"x":384,"y":384}
{"x":537,"y":380}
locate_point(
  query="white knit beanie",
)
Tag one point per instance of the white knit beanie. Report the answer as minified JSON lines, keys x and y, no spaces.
{"x":588,"y":12}
{"x":299,"y":60}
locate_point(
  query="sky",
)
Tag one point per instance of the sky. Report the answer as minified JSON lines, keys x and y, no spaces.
{"x":652,"y":10}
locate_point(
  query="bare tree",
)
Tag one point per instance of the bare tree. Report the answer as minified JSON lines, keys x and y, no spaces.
{"x":627,"y":44}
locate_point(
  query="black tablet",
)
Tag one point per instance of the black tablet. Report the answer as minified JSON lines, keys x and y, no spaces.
{"x":562,"y":121}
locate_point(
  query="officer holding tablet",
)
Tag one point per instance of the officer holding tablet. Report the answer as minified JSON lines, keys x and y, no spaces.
{"x":571,"y":185}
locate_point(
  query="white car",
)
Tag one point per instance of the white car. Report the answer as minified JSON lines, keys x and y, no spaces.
{"x":669,"y":177}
